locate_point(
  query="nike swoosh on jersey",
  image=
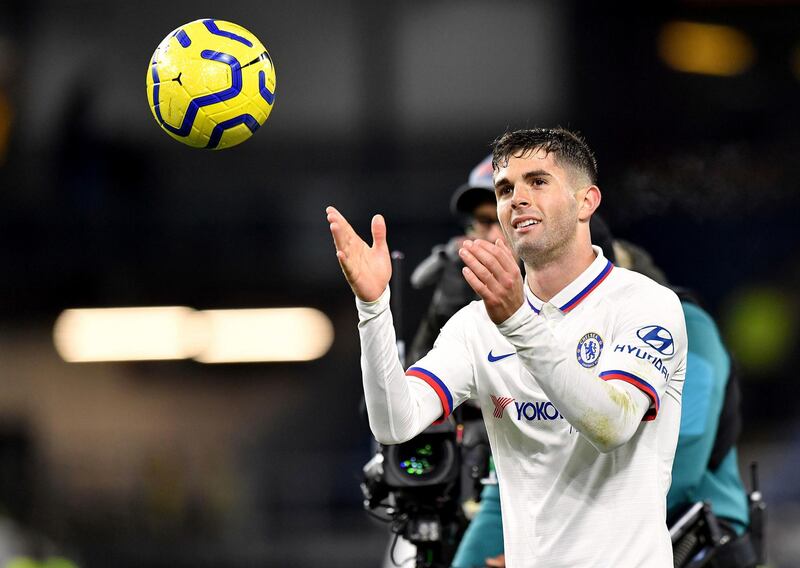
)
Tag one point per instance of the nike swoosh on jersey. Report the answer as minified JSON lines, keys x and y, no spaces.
{"x":493,"y":358}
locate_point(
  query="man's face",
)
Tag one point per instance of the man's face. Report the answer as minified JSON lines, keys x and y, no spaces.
{"x":536,"y":207}
{"x":485,"y":225}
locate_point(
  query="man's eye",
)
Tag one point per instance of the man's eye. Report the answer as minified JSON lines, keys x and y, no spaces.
{"x":539,"y":181}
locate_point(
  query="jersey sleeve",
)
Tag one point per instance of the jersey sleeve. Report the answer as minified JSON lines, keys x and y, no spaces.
{"x":649,"y":345}
{"x":447,"y":368}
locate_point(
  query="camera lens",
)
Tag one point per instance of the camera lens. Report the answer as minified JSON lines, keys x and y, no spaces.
{"x":419,"y":460}
{"x":429,"y":459}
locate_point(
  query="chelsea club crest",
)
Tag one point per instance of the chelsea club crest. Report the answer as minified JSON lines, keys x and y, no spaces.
{"x":589,"y":348}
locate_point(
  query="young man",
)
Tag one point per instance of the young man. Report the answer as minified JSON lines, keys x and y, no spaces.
{"x":578,"y":368}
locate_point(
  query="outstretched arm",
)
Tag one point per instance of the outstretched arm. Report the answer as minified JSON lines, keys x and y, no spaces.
{"x":398,"y":409}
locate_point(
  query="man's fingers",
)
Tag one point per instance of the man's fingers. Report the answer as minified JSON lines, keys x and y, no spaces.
{"x":476,"y":266}
{"x":334,"y":216}
{"x":491,"y":264}
{"x":497,"y":257}
{"x":337,"y":224}
{"x":498,"y":286}
{"x":379,"y":232}
{"x":340,"y":238}
{"x":488,"y":255}
{"x":475,"y":283}
{"x":506,"y":257}
{"x":367,"y":270}
{"x":344,"y":236}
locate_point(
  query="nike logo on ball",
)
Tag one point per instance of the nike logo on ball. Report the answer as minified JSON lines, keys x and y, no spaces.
{"x":493,"y":358}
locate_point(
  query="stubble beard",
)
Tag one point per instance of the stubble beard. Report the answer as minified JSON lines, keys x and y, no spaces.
{"x":558,"y":239}
{"x":542,"y":254}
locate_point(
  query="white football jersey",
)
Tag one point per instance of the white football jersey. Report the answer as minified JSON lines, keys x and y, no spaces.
{"x":564,"y":502}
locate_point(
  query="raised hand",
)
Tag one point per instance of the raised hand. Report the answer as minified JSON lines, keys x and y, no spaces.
{"x":367,"y":269}
{"x":491,"y":270}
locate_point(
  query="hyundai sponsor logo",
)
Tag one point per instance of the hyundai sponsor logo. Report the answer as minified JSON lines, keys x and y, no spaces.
{"x":658,"y":338}
{"x":640,"y":353}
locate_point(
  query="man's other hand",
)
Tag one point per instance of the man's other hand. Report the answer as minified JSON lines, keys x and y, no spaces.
{"x":492,"y":271}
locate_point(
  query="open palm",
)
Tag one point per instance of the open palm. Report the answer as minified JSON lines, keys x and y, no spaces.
{"x":367,"y":269}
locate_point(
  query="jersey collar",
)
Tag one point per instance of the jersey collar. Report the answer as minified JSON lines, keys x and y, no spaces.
{"x":576,"y":291}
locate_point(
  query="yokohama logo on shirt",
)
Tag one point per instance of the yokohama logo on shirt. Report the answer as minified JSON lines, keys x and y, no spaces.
{"x":500,"y":404}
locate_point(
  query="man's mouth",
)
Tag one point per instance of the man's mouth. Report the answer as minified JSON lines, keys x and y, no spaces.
{"x":524,"y":223}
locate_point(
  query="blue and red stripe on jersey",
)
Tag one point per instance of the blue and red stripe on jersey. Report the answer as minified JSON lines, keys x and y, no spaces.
{"x":639,"y":383}
{"x":438,"y":387}
{"x":589,"y":288}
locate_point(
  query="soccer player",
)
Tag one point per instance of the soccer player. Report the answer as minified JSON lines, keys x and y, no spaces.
{"x":578,"y":368}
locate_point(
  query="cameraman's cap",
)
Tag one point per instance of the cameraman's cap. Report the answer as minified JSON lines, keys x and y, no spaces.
{"x":479,"y":188}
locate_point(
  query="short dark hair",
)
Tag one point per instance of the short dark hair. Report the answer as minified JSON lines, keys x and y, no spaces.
{"x":568,"y":148}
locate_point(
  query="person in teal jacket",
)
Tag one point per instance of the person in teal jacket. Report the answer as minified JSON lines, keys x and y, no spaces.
{"x":704,"y":393}
{"x":707,"y":372}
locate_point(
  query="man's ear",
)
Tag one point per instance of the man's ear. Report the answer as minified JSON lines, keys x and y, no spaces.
{"x":588,"y":202}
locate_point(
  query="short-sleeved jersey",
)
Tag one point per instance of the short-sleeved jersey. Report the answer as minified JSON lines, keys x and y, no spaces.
{"x":564,"y":502}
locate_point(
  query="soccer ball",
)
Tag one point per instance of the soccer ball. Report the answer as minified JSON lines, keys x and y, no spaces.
{"x":211,"y":84}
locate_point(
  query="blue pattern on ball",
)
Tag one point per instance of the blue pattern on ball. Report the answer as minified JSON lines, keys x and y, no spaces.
{"x":183,"y":38}
{"x":268,"y":95}
{"x":196,"y":103}
{"x":211,"y":26}
{"x":216,"y":134}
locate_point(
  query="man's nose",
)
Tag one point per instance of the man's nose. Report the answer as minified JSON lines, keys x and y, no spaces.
{"x":521,"y":197}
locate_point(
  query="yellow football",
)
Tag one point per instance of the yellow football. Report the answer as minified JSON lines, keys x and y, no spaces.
{"x":211,"y":84}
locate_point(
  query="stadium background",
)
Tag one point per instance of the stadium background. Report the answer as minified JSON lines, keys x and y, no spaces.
{"x":380,"y":107}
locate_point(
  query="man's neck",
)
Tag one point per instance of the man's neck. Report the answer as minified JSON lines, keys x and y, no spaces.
{"x":548,"y":280}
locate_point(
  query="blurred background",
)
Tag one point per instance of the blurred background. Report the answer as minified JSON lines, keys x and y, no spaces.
{"x":692,"y":110}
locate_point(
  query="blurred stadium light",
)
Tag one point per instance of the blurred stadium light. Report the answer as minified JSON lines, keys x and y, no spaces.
{"x":175,"y":332}
{"x":707,"y":49}
{"x":279,"y":334}
{"x":124,"y":334}
{"x":761,"y":327}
